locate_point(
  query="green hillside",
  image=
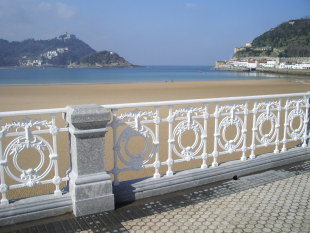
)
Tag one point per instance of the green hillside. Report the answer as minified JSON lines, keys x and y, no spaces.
{"x":289,"y":39}
{"x":103,"y":59}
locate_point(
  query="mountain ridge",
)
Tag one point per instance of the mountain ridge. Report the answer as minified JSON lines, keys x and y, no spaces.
{"x":63,"y":51}
{"x":289,"y":39}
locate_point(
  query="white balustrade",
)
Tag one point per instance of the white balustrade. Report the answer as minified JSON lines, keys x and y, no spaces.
{"x":245,"y":117}
{"x":25,"y":134}
{"x":202,"y":131}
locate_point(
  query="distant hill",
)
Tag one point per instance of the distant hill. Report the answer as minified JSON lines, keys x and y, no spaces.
{"x":102,"y":59}
{"x":64,"y":51}
{"x":289,"y":39}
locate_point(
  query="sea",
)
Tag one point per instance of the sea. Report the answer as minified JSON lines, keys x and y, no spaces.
{"x":46,"y":76}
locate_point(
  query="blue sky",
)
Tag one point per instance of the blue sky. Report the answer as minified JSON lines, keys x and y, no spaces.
{"x":151,"y":32}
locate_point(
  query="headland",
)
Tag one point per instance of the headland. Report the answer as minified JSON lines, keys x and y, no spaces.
{"x":284,"y":49}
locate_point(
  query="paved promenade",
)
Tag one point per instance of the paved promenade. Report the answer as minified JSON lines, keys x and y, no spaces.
{"x":271,"y":201}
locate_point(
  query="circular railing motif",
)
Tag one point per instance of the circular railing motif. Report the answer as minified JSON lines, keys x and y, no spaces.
{"x":188,"y":152}
{"x":232,"y":144}
{"x":30,"y":177}
{"x":298,"y":132}
{"x":269,"y":137}
{"x":136,"y":161}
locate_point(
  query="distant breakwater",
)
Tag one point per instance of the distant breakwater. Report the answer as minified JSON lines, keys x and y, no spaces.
{"x":284,"y":71}
{"x":265,"y":70}
{"x":229,"y":68}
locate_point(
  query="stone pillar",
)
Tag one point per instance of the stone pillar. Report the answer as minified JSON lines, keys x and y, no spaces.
{"x":90,"y":185}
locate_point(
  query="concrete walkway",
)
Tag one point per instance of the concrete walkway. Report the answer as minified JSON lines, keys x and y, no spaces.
{"x":271,"y":201}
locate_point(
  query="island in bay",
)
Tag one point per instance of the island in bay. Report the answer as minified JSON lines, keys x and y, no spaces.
{"x":63,"y":51}
{"x":283,"y":49}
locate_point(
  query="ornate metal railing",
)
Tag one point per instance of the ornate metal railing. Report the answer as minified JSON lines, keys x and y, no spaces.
{"x":156,"y":138}
{"x":219,"y":126}
{"x":38,"y":139}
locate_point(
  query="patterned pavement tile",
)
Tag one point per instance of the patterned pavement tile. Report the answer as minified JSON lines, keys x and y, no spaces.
{"x":273,"y":207}
{"x":276,"y":200}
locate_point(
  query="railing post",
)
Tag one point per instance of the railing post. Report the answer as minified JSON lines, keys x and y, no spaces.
{"x":306,"y":140}
{"x":254,"y":130}
{"x":3,"y":186}
{"x":90,"y":185}
{"x":277,"y":150}
{"x":285,"y":126}
{"x":204,"y":137}
{"x":244,"y":131}
{"x":170,"y":161}
{"x":157,"y":164}
{"x":216,"y":136}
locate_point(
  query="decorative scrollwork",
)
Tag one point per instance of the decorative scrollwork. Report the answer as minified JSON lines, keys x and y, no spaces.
{"x":297,"y":103}
{"x":267,"y":116}
{"x":296,"y":133}
{"x":267,"y":105}
{"x":297,"y":112}
{"x":233,"y":144}
{"x":26,"y":123}
{"x":189,"y":110}
{"x":188,"y":152}
{"x":31,"y":176}
{"x":137,"y":114}
{"x":134,"y":116}
{"x":232,"y":108}
{"x":231,"y":120}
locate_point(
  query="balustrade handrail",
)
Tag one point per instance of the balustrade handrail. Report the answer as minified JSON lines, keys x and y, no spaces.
{"x":155,"y":103}
{"x":197,"y":101}
{"x":33,"y":112}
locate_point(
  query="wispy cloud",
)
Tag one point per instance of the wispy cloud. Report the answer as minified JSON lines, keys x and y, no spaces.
{"x":61,"y":9}
{"x":44,"y":6}
{"x":20,"y":19}
{"x":21,"y":9}
{"x":64,"y":10}
{"x":191,"y":5}
{"x":14,"y":12}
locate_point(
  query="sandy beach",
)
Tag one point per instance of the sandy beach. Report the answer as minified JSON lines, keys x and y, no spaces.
{"x":14,"y":98}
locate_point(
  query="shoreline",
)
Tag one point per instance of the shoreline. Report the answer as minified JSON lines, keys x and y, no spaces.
{"x":134,"y":82}
{"x":297,"y":77}
{"x":208,"y":75}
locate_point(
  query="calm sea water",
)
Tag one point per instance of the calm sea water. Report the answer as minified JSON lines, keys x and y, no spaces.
{"x":30,"y":76}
